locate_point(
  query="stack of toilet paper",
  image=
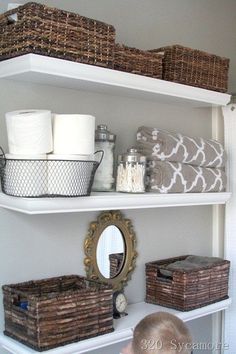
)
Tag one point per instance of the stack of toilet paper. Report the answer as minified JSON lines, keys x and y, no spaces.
{"x":39,"y":135}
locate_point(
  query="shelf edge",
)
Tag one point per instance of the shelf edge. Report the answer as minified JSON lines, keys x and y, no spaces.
{"x":43,"y":70}
{"x":109,"y":201}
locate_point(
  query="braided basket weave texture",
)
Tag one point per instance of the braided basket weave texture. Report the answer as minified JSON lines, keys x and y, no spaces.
{"x":194,"y":67}
{"x":39,"y":29}
{"x":48,"y":313}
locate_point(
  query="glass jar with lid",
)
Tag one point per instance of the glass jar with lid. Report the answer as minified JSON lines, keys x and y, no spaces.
{"x":131,"y":172}
{"x":104,"y":176}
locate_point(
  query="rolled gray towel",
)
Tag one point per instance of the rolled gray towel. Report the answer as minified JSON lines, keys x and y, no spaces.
{"x":174,"y":177}
{"x":189,"y":263}
{"x":166,"y":146}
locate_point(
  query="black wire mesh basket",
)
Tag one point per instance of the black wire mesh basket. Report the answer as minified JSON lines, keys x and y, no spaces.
{"x":36,"y":178}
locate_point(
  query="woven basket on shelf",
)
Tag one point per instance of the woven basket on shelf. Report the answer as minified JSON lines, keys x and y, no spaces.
{"x":138,"y":61}
{"x":194,"y":67}
{"x":39,"y":29}
{"x":47,"y":313}
{"x":186,"y":289}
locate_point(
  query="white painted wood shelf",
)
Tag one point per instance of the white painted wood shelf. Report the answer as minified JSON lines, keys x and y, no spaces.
{"x":123,"y":329}
{"x":109,"y":201}
{"x":62,"y":73}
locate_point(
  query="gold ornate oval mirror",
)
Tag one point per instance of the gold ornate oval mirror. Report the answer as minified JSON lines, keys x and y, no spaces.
{"x":110,"y":249}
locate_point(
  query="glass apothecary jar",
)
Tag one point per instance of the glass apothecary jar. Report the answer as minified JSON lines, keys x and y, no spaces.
{"x":131,"y":171}
{"x":104,"y":178}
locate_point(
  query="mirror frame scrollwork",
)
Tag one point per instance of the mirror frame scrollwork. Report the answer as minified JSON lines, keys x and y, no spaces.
{"x":96,"y":228}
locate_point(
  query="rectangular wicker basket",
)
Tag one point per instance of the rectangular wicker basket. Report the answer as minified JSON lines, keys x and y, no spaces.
{"x":194,"y":67}
{"x":47,"y":313}
{"x":39,"y":29}
{"x":186,"y":289}
{"x":138,"y":61}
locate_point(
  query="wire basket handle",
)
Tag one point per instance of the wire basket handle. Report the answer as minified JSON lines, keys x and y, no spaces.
{"x":2,"y":158}
{"x":102,"y":155}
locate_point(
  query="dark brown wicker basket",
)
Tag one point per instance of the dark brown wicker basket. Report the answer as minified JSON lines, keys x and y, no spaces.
{"x":194,"y":67}
{"x":49,"y":31}
{"x":138,"y":61}
{"x":116,"y":263}
{"x":47,"y":313}
{"x":186,"y":290}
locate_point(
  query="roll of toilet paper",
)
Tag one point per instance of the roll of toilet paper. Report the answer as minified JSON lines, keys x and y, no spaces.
{"x":25,"y":176}
{"x":68,"y":175}
{"x":29,"y":132}
{"x":73,"y":134}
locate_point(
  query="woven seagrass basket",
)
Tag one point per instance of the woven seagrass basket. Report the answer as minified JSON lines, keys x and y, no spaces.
{"x":194,"y":67}
{"x":39,"y":29}
{"x":138,"y":61}
{"x":186,"y":289}
{"x":48,"y":313}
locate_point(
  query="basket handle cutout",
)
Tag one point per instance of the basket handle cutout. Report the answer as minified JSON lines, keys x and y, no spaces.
{"x":12,"y":19}
{"x":164,"y":277}
{"x":12,"y":13}
{"x":19,"y":302}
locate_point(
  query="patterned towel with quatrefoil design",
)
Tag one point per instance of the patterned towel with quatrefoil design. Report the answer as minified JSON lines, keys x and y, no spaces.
{"x":165,"y":146}
{"x":175,"y":177}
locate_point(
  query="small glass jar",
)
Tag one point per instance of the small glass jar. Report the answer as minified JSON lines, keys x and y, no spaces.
{"x":131,"y":172}
{"x":104,"y":176}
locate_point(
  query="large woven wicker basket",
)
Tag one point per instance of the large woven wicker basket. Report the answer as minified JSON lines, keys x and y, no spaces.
{"x":47,"y":313}
{"x":194,"y":67}
{"x":186,"y":289}
{"x":36,"y":28}
{"x":138,"y":61}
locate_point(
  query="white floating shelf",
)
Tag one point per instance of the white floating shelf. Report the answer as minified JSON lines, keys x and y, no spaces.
{"x":123,"y":329}
{"x":109,"y":201}
{"x":63,"y":73}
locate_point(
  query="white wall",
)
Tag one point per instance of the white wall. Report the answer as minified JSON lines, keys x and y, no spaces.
{"x":46,"y":245}
{"x":32,"y":247}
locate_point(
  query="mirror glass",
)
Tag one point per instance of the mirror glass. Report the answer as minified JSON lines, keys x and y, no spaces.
{"x":110,"y":252}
